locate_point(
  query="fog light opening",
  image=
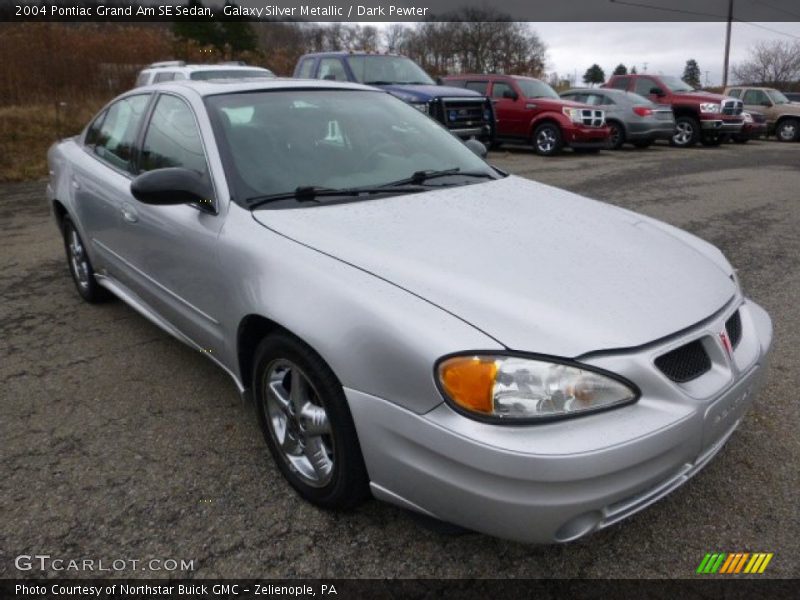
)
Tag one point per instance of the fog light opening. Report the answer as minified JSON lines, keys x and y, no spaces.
{"x":579,"y":526}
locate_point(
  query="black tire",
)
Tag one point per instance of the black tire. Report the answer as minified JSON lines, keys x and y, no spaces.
{"x":348,"y":485}
{"x":788,"y":130}
{"x":617,"y":137}
{"x":547,"y":139}
{"x":687,"y":132}
{"x":643,"y":143}
{"x":80,"y":267}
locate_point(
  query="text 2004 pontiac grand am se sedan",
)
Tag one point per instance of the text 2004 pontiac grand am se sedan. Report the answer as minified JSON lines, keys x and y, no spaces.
{"x":410,"y":321}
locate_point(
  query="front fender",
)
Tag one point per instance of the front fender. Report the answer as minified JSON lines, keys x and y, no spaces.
{"x":550,"y":115}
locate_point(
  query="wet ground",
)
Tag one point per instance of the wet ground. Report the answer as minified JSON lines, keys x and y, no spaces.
{"x":118,"y":442}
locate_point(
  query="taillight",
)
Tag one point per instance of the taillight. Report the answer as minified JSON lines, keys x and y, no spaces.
{"x":642,"y":111}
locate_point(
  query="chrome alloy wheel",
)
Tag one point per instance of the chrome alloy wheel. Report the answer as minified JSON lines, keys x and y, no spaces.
{"x":546,"y":140}
{"x":298,"y":423}
{"x":78,"y":260}
{"x":683,"y":133}
{"x":787,"y":131}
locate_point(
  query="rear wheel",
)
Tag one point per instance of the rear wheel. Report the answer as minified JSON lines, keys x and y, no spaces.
{"x":547,"y":139}
{"x":307,"y":423}
{"x":787,"y":130}
{"x":617,"y":136}
{"x":80,"y":267}
{"x":687,"y":132}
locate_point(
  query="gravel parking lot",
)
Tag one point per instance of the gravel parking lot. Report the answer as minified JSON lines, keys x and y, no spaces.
{"x":119,"y":442}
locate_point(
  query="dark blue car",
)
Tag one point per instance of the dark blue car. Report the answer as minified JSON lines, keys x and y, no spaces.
{"x":464,"y":112}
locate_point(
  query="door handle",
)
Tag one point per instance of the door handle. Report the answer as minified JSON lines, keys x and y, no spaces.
{"x":129,"y":213}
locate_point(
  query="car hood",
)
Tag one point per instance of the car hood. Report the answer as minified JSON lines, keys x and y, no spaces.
{"x":410,"y":92}
{"x":537,"y":268}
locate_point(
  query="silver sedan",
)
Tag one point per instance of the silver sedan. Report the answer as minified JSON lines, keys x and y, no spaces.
{"x":409,"y":321}
{"x":633,"y":119}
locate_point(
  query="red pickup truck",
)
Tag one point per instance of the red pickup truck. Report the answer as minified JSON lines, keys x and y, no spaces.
{"x":529,"y":111}
{"x":699,"y":116}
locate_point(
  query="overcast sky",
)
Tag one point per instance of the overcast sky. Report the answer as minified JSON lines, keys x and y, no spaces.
{"x":665,"y":47}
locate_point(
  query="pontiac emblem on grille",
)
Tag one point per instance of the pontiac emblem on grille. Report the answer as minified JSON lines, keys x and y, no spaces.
{"x":726,"y":343}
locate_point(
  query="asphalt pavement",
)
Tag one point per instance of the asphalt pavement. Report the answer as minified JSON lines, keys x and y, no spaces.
{"x":119,"y":443}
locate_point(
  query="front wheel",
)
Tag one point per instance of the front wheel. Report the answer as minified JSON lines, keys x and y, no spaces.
{"x":787,"y":130}
{"x":547,"y":140}
{"x":80,"y":267}
{"x":307,"y":423}
{"x":617,"y":136}
{"x":687,"y":132}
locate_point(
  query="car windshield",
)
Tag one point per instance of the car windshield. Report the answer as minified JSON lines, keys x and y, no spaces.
{"x":532,"y":88}
{"x":383,"y":70}
{"x":279,"y":142}
{"x":675,"y":84}
{"x":230,"y":74}
{"x":777,"y":97}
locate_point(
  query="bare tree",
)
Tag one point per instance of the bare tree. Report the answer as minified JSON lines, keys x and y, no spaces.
{"x":394,"y":35}
{"x":774,"y":63}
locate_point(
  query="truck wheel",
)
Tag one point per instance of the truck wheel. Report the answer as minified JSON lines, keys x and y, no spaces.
{"x":547,"y":140}
{"x":787,"y":130}
{"x":617,"y":135}
{"x":687,"y":132}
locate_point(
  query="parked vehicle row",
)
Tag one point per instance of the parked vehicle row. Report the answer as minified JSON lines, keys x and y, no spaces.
{"x":497,"y":109}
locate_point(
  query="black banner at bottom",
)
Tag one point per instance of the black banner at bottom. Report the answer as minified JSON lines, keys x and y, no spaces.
{"x":346,"y":589}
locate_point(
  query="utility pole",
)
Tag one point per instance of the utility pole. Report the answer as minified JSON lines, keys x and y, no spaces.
{"x":727,"y":44}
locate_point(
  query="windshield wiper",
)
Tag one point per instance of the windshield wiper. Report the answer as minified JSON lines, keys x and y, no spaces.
{"x":420,"y":177}
{"x":311,"y":193}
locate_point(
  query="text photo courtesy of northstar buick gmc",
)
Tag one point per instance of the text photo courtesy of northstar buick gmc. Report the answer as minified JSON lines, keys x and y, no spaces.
{"x":409,"y":321}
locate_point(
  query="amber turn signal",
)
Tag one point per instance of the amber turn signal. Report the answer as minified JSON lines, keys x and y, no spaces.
{"x":469,"y":382}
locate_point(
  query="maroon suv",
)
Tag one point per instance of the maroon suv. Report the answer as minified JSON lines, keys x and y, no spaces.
{"x":529,"y":111}
{"x":699,"y":116}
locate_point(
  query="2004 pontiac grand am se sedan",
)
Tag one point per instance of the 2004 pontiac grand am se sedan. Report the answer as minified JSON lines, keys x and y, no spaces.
{"x":410,"y":321}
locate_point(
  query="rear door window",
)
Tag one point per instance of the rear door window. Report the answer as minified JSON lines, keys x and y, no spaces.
{"x":620,"y":83}
{"x":115,"y":140}
{"x":478,"y":86}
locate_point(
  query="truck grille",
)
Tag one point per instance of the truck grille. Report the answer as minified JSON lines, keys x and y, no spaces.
{"x":593,"y":118}
{"x":685,"y":363}
{"x":732,"y":106}
{"x":464,"y":113}
{"x":733,"y":327}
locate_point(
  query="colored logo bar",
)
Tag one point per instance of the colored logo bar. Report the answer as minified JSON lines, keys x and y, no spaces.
{"x":734,"y":562}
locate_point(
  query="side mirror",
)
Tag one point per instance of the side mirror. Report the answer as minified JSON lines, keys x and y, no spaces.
{"x":477,"y":147}
{"x":510,"y":94}
{"x":173,"y":185}
{"x":657,"y":91}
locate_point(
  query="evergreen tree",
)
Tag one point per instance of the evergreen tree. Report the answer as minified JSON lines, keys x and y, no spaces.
{"x":594,"y":74}
{"x":691,"y":73}
{"x":621,"y":70}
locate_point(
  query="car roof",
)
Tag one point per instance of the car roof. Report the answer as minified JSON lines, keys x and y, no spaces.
{"x":350,"y":53}
{"x":206,"y":67}
{"x":212,"y":87}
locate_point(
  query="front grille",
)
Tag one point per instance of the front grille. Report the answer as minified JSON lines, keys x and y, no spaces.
{"x":732,"y":106}
{"x":459,"y":113}
{"x":685,"y":363}
{"x":733,"y":327}
{"x":593,"y":118}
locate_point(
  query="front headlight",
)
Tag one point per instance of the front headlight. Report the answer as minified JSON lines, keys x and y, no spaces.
{"x":573,"y":114}
{"x":421,"y":107}
{"x":519,"y":389}
{"x":709,"y":107}
{"x":748,"y":118}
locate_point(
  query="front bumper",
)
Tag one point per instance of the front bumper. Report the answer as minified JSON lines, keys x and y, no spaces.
{"x":586,"y":137}
{"x":559,"y":481}
{"x":722,"y":125}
